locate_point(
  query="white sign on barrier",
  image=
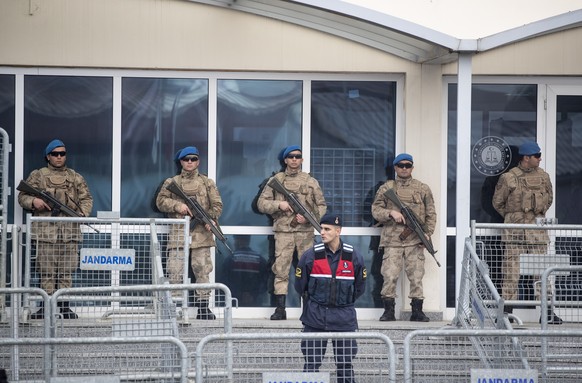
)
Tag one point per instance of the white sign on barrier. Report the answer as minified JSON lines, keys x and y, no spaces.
{"x":503,"y":376}
{"x":107,"y":259}
{"x":295,"y":377}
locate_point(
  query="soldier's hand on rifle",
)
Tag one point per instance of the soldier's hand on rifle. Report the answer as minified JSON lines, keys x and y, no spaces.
{"x":397,"y":216}
{"x":285,"y":207}
{"x":40,"y":205}
{"x":300,"y":219}
{"x":184,"y":210}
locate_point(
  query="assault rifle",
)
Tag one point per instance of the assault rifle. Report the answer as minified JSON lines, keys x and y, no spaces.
{"x":200,"y":215}
{"x":413,"y":222}
{"x":56,"y":206}
{"x":296,"y":205}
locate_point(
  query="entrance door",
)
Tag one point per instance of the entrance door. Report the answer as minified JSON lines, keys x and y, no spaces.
{"x":564,"y":152}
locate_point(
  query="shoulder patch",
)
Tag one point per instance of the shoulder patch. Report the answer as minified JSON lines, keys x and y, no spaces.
{"x":319,"y":247}
{"x":364,"y":273}
{"x":298,"y":272}
{"x":348,"y":248}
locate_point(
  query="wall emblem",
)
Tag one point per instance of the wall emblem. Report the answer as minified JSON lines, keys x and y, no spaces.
{"x":491,"y":156}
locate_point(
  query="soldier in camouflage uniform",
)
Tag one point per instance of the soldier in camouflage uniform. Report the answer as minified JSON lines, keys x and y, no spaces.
{"x":206,"y":193}
{"x":399,"y":243}
{"x":292,"y":231}
{"x":56,"y":243}
{"x":523,"y":194}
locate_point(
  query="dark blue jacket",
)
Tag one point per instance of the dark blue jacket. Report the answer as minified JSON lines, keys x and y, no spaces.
{"x":331,"y":316}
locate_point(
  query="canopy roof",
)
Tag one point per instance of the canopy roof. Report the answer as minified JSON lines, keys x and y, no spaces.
{"x":391,"y":34}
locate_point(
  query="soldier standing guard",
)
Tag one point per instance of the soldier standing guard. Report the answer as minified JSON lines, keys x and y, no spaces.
{"x":523,"y":194}
{"x":204,"y":189}
{"x":56,"y":242}
{"x":292,"y":230}
{"x":400,"y":245}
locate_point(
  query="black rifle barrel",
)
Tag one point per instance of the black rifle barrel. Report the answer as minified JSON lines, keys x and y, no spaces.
{"x":199,"y":212}
{"x":296,"y":205}
{"x":412,"y":222}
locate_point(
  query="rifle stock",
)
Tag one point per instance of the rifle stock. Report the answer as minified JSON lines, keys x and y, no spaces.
{"x":199,"y":213}
{"x":296,"y":205}
{"x":413,"y":222}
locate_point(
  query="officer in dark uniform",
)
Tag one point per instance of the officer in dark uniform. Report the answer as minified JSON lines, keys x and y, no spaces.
{"x":330,"y":277}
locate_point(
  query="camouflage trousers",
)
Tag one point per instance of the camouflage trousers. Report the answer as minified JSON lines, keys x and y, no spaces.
{"x":56,"y":263}
{"x":412,"y":258}
{"x":201,"y":264}
{"x":510,"y":268}
{"x":285,"y":244}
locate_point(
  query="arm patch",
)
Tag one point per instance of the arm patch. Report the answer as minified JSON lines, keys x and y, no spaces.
{"x":298,"y":272}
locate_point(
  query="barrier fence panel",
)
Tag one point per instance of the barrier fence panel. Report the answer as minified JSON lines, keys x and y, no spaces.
{"x":479,"y":303}
{"x":449,"y":356}
{"x":527,"y":251}
{"x":136,"y":359}
{"x":245,"y":357}
{"x":5,"y":149}
{"x":146,"y":310}
{"x":106,"y":251}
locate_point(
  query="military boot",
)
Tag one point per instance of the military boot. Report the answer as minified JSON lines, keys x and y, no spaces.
{"x":204,"y":313}
{"x":388,"y":314}
{"x":66,"y":311}
{"x":417,"y":314}
{"x":280,"y":313}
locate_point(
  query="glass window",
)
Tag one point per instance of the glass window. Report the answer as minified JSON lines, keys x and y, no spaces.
{"x":568,"y":159}
{"x":159,"y":116}
{"x":247,"y":272}
{"x":7,"y":123}
{"x":256,"y":119}
{"x":502,"y":117}
{"x":352,"y":135}
{"x":77,"y":110}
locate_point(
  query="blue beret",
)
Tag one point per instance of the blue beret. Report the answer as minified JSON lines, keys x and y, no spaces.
{"x":290,"y":149}
{"x":188,"y":150}
{"x":52,"y":145}
{"x":331,"y":219}
{"x":280,"y":155}
{"x":402,"y":157}
{"x":529,"y":148}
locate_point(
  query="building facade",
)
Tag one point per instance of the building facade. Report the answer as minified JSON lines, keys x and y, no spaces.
{"x":125,"y":83}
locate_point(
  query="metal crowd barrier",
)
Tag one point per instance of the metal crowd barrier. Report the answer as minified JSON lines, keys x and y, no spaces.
{"x":132,"y":312}
{"x":479,"y":305}
{"x":448,"y":356}
{"x":113,"y":252}
{"x":539,"y":247}
{"x":5,"y":149}
{"x":245,"y":357}
{"x":127,"y":359}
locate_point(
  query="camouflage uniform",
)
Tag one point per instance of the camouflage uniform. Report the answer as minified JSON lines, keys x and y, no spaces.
{"x":521,"y":195}
{"x":206,"y":193}
{"x":290,"y":235}
{"x":57,"y":243}
{"x":418,"y":197}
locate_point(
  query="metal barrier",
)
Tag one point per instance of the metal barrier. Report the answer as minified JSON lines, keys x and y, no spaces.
{"x":534,"y":248}
{"x":5,"y":149}
{"x":448,"y":355}
{"x":133,"y":312}
{"x":113,"y":251}
{"x":135,"y":359}
{"x":479,"y":304}
{"x":136,"y":310}
{"x":244,"y":357}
